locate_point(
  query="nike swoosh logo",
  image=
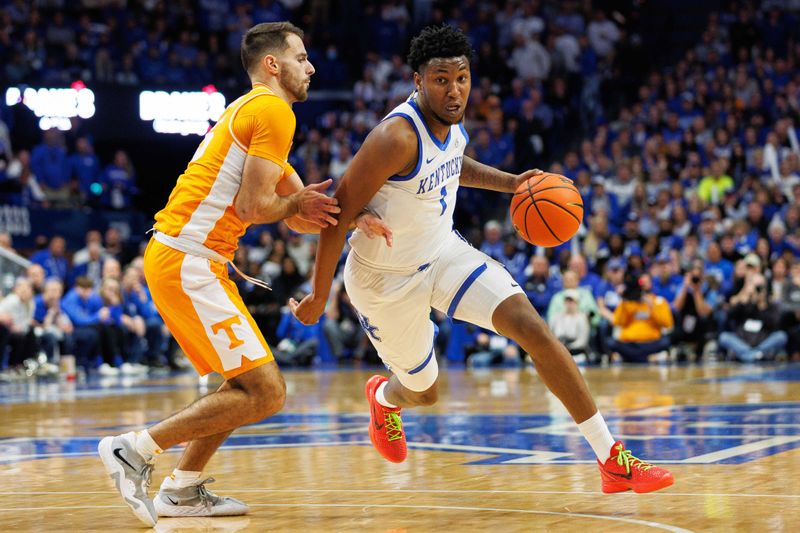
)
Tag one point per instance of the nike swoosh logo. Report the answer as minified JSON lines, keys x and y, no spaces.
{"x":173,"y":502}
{"x":625,"y":476}
{"x":119,"y":456}
{"x":428,"y":161}
{"x":515,"y":284}
{"x":376,"y":418}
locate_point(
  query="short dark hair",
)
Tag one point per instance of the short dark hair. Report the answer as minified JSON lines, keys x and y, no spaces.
{"x":84,"y":282}
{"x":264,"y":38}
{"x":438,"y":41}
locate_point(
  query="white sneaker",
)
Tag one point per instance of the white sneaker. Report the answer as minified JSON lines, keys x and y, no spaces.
{"x":195,"y":500}
{"x":132,"y":369}
{"x":107,"y":370}
{"x":47,"y":369}
{"x":131,"y":473}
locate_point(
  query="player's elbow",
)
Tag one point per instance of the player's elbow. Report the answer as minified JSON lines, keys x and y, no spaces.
{"x":246,"y":209}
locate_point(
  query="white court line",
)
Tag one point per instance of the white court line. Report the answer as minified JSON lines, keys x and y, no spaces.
{"x":656,"y":525}
{"x":739,"y":450}
{"x":445,"y":491}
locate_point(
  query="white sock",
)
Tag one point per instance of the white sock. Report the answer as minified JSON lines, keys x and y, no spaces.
{"x":381,"y":398}
{"x":181,"y":478}
{"x":595,"y":431}
{"x":145,"y":444}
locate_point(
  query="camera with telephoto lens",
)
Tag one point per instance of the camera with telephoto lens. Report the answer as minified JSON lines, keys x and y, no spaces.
{"x":695,"y":279}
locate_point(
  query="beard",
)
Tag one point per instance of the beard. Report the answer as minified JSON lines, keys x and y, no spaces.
{"x":295,"y":85}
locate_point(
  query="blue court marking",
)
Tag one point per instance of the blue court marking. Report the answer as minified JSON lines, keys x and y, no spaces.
{"x":707,"y":434}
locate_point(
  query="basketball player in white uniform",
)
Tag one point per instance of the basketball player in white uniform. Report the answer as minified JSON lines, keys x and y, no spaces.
{"x":408,"y":172}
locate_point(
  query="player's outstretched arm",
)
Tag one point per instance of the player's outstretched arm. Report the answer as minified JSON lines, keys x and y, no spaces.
{"x":480,"y":176}
{"x":390,"y":149}
{"x":258,"y":201}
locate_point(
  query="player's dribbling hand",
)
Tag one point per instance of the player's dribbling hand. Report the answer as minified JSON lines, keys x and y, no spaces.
{"x":525,"y":176}
{"x":317,"y":207}
{"x":308,"y":310}
{"x":373,"y":226}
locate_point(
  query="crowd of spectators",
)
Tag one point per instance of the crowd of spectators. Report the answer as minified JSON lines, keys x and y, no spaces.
{"x":690,"y":177}
{"x":54,"y":175}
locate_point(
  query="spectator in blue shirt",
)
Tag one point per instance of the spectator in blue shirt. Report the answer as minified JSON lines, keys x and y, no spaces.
{"x":136,"y":301}
{"x":55,"y":323}
{"x":514,"y":259}
{"x":85,"y":169}
{"x":492,"y":240}
{"x":587,"y":279}
{"x":539,"y":285}
{"x":299,"y":341}
{"x":93,"y":267}
{"x":600,"y":200}
{"x":608,"y":297}
{"x":718,"y":267}
{"x":119,"y":182}
{"x":84,"y":307}
{"x":52,"y":259}
{"x":50,"y":164}
{"x":666,"y":281}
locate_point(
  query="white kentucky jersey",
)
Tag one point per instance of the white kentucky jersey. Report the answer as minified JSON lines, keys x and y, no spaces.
{"x":417,"y":207}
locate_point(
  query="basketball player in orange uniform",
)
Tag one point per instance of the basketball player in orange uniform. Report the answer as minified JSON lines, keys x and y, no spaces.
{"x":238,"y":176}
{"x":408,"y":171}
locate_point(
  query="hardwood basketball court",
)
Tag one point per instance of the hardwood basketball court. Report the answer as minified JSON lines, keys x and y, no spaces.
{"x":497,"y":452}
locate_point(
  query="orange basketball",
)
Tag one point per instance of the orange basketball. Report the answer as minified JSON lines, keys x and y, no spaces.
{"x":547,"y":210}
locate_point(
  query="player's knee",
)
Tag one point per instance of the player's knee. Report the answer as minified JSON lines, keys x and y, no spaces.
{"x":266,"y":395}
{"x":269,"y":402}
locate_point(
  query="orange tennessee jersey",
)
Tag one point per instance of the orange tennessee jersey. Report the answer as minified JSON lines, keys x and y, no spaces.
{"x":200,"y":208}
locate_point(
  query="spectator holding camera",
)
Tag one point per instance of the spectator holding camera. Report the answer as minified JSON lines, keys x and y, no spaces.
{"x":694,"y":308}
{"x":790,"y":307}
{"x":643,"y":320}
{"x":755,"y":322}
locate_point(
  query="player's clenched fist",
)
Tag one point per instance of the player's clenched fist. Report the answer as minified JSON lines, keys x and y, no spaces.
{"x":308,"y":310}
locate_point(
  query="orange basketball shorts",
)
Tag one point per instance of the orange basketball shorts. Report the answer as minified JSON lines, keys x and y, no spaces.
{"x":204,"y":311}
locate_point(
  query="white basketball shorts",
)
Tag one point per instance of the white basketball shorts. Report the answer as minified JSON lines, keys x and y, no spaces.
{"x":395,"y":307}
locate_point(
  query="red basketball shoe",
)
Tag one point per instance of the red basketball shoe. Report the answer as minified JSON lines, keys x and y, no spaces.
{"x":623,"y":471}
{"x":385,"y":426}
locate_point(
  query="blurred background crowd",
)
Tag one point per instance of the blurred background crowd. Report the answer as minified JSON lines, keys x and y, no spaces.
{"x":686,"y":154}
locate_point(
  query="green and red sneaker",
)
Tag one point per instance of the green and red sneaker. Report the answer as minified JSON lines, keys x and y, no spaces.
{"x":385,"y":425}
{"x":622,"y":471}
